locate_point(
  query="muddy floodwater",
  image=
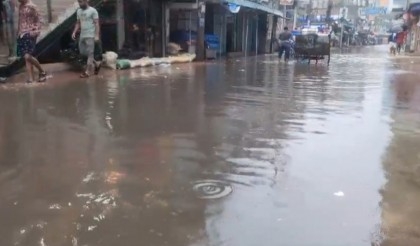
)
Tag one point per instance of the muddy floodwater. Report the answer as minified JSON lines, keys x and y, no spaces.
{"x":243,"y":152}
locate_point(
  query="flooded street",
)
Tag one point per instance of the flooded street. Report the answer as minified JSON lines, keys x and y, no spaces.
{"x":232,"y":153}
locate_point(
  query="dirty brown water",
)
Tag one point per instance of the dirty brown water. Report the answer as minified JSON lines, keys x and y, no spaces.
{"x":239,"y":153}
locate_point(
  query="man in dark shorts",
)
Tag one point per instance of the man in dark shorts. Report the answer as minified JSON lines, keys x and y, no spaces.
{"x":28,"y":31}
{"x":88,"y":23}
{"x":285,"y":44}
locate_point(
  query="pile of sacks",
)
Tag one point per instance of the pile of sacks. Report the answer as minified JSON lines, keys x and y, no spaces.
{"x":110,"y":60}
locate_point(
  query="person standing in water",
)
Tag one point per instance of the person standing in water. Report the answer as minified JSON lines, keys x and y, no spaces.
{"x":88,"y":23}
{"x":10,"y":6}
{"x":29,"y":28}
{"x":285,"y":44}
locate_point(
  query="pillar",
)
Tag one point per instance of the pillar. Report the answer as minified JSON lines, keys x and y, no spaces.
{"x":200,"y":49}
{"x":120,"y":24}
{"x":256,"y":34}
{"x":246,"y":34}
{"x":49,"y":11}
{"x":165,"y":27}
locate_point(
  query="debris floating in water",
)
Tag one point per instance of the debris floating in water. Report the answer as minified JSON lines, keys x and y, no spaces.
{"x":89,"y":177}
{"x":339,"y":193}
{"x":55,"y":206}
{"x":91,"y":228}
{"x":211,"y":189}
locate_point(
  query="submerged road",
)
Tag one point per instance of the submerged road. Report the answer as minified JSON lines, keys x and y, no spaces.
{"x":247,"y":152}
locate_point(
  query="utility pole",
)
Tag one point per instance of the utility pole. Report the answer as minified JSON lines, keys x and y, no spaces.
{"x":343,"y":14}
{"x":295,"y":12}
{"x":49,"y":11}
{"x":309,"y":10}
{"x":329,"y":9}
{"x":410,"y":34}
{"x":284,"y":16}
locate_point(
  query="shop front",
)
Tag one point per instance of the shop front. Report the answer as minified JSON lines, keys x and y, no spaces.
{"x":183,"y":26}
{"x":245,"y":29}
{"x":229,"y":27}
{"x":144,"y":27}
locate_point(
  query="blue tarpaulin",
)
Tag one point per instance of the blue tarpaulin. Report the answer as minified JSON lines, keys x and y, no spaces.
{"x":295,"y":33}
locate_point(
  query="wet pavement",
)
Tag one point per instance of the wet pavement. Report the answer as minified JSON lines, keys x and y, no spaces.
{"x":238,"y":153}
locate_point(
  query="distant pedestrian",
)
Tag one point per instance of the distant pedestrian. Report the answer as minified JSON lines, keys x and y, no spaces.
{"x":88,"y":23}
{"x":29,"y":28}
{"x":10,"y":32}
{"x":285,"y":39}
{"x":10,"y":6}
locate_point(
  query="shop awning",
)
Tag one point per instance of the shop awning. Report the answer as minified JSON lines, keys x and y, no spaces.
{"x":254,"y":5}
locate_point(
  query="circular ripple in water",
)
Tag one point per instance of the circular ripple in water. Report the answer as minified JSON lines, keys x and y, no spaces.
{"x":211,"y":189}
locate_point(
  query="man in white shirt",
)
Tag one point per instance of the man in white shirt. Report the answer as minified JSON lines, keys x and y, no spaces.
{"x":88,"y":23}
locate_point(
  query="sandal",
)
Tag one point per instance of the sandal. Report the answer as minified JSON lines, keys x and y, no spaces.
{"x":84,"y":75}
{"x":42,"y":77}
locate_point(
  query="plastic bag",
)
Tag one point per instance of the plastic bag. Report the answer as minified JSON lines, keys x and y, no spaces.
{"x":110,"y":59}
{"x":123,"y":64}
